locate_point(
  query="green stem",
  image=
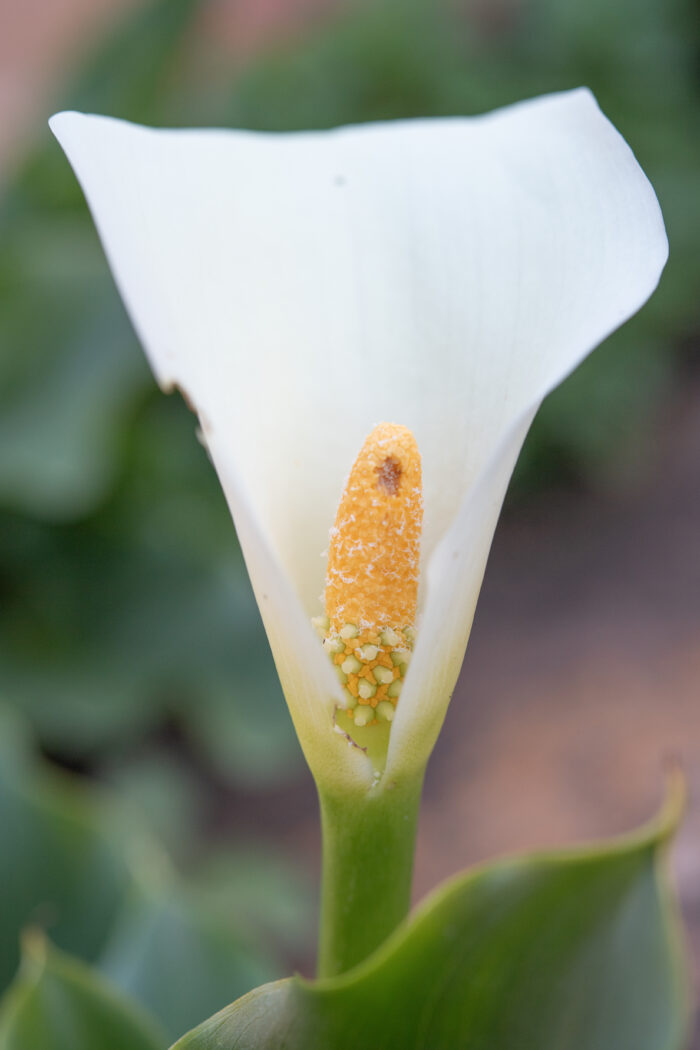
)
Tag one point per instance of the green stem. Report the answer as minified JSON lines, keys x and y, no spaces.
{"x":368,"y":845}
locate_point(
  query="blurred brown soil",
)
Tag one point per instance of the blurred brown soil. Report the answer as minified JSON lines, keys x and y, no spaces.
{"x":242,"y":27}
{"x":41,"y":41}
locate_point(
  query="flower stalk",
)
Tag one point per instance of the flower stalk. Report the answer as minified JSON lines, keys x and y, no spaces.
{"x":368,"y":848}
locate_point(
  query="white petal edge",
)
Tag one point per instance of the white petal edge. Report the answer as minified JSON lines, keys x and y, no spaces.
{"x":457,"y":565}
{"x":527,"y":235}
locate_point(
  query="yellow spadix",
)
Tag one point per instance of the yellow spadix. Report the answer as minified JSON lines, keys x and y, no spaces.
{"x":372,"y":577}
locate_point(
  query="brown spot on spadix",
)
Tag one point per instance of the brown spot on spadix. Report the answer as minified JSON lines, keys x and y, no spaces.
{"x":389,"y":476}
{"x":372,"y":577}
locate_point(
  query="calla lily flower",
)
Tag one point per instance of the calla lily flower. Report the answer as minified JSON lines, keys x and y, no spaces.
{"x":300,"y":288}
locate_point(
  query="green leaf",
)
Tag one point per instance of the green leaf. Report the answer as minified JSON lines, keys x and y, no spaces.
{"x":104,"y":638}
{"x":576,"y":950}
{"x":171,"y":955}
{"x":275,"y":902}
{"x":86,"y":868}
{"x":63,"y":856}
{"x":57,"y":1003}
{"x":62,"y":420}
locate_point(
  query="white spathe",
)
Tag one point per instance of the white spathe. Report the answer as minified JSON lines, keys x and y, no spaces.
{"x":300,"y":288}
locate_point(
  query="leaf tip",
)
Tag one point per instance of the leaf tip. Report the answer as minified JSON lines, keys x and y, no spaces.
{"x":34,"y":949}
{"x":675,"y":800}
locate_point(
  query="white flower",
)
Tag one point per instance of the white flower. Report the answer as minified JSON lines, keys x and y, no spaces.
{"x":300,"y":288}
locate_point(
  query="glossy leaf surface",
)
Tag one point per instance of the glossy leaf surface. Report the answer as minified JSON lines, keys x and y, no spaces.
{"x":58,"y":1003}
{"x":577,"y":950}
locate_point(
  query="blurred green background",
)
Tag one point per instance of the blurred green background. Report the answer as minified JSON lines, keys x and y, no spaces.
{"x":131,"y":651}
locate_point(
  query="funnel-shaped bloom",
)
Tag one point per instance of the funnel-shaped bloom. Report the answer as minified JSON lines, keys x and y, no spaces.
{"x":301,"y":288}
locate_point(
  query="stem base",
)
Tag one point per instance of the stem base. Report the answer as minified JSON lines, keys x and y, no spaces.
{"x":368,"y":846}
